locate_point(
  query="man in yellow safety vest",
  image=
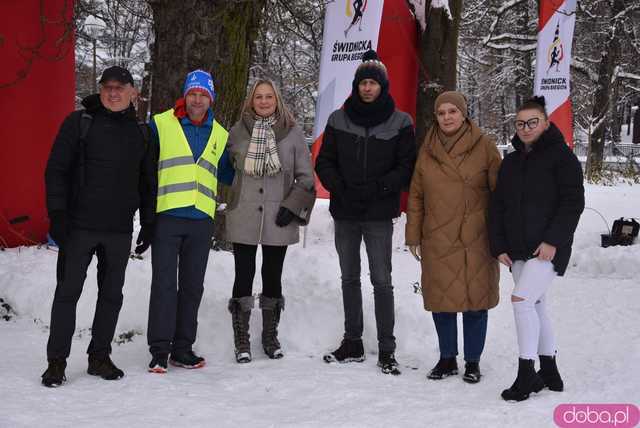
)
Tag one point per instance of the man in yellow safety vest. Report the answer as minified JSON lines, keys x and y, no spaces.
{"x":191,"y":143}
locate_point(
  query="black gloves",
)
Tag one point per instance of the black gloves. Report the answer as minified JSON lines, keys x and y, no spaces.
{"x":284,"y":217}
{"x":58,"y":228}
{"x":145,"y":237}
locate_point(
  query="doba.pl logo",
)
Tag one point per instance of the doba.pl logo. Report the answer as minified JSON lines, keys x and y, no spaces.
{"x":596,"y":415}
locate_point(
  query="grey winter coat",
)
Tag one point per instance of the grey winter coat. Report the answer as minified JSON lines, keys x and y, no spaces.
{"x":255,"y":201}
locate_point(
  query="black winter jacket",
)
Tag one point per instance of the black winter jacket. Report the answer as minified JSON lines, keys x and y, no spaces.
{"x":100,"y":182}
{"x":382,"y":157}
{"x":539,"y":197}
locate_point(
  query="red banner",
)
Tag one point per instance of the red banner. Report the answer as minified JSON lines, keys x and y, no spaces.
{"x":37,"y":85}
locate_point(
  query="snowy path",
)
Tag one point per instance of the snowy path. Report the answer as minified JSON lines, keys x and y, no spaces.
{"x":596,"y":311}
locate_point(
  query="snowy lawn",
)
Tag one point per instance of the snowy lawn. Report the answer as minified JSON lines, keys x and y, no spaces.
{"x":595,"y":309}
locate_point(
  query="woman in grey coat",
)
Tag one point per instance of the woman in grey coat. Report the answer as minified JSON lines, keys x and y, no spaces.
{"x":272,"y":195}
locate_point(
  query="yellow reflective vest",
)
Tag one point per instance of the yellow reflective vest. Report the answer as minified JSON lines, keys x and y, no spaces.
{"x":183,"y":182}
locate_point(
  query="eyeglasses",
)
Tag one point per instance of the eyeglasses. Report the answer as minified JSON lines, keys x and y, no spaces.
{"x":531,"y":123}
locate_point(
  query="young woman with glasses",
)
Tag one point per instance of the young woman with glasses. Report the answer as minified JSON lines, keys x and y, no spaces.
{"x":533,"y":215}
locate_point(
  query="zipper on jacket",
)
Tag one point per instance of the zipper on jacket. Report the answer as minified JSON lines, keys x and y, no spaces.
{"x":522,"y":208}
{"x":365,"y":144}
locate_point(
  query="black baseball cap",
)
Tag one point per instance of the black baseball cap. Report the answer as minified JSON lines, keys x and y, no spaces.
{"x":120,"y":74}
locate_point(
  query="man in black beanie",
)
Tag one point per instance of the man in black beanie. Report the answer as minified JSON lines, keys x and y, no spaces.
{"x":367,"y":157}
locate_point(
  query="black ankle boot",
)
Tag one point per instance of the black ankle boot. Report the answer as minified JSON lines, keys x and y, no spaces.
{"x":101,"y":365}
{"x":54,"y":375}
{"x":445,"y":367}
{"x":526,"y":382}
{"x":472,"y":372}
{"x":549,"y":373}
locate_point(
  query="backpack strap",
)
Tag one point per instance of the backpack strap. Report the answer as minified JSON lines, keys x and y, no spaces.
{"x":146,"y":134}
{"x":85,"y":124}
{"x":86,"y":120}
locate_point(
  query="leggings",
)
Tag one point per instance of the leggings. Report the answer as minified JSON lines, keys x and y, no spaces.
{"x":244,"y":257}
{"x":533,"y":325}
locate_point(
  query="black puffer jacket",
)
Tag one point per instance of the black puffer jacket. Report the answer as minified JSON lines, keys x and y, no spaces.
{"x":100,"y":182}
{"x":381,"y":156}
{"x":539,"y":197}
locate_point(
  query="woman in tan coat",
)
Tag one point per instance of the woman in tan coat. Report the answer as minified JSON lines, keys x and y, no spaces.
{"x":446,"y":230}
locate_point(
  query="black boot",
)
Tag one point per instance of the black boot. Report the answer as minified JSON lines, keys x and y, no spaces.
{"x":549,"y":373}
{"x":271,"y":309}
{"x":387,"y":363}
{"x":445,"y":367}
{"x":54,"y":375}
{"x":349,"y":351}
{"x":471,"y":372}
{"x":240,"y":309}
{"x":526,"y":382}
{"x":101,"y":365}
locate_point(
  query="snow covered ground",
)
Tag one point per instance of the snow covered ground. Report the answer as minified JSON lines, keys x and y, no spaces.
{"x":595,"y":308}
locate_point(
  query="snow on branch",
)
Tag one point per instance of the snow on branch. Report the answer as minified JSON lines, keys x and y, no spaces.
{"x":626,"y":11}
{"x":419,"y":12}
{"x":442,"y":4}
{"x":626,"y":75}
{"x":420,"y":6}
{"x":516,"y":47}
{"x":511,"y":36}
{"x":583,"y":67}
{"x":498,"y":17}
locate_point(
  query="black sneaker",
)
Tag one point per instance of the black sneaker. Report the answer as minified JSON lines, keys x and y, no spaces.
{"x":445,"y":367}
{"x":472,"y":372}
{"x":187,"y":360}
{"x":388,"y":364}
{"x":158,"y":363}
{"x":348,"y":352}
{"x":54,"y":375}
{"x":103,"y":366}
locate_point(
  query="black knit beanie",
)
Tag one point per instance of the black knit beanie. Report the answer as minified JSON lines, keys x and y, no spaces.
{"x":371,"y":68}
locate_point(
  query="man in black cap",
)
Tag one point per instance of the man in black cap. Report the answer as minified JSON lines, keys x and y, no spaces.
{"x":100,"y":171}
{"x":367,"y":157}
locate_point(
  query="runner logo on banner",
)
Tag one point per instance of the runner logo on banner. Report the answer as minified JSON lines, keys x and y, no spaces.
{"x":555,"y":57}
{"x":553,"y":61}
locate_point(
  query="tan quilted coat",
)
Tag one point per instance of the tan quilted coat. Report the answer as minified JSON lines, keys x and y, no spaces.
{"x":447,"y":216}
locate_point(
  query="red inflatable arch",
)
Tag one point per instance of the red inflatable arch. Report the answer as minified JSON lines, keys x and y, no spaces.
{"x":37,"y":86}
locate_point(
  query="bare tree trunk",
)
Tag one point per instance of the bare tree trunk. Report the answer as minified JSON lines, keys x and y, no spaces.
{"x":145,"y":93}
{"x":439,"y":54}
{"x":524,"y":74}
{"x":610,"y":57}
{"x":615,"y":114}
{"x":213,"y":35}
{"x":636,"y":125}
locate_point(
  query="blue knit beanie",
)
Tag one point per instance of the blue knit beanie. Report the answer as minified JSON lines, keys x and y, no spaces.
{"x":199,"y":79}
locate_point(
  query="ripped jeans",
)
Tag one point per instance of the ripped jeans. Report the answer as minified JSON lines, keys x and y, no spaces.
{"x":533,"y":325}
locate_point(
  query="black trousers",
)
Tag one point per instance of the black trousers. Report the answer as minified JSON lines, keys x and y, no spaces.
{"x":179,"y":255}
{"x":244,"y":257}
{"x":112,"y":251}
